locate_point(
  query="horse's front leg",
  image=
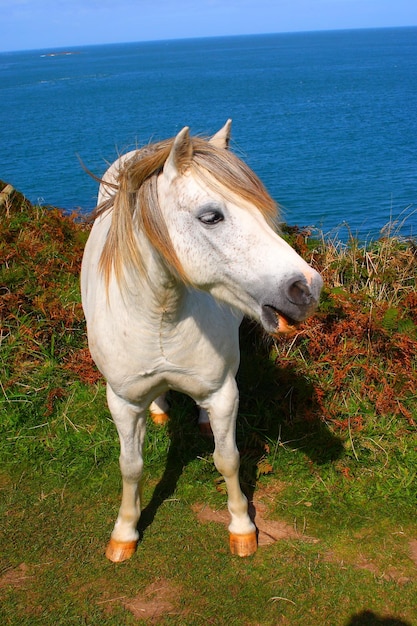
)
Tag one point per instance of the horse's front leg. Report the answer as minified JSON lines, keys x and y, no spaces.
{"x":222,"y":409}
{"x":130,"y":422}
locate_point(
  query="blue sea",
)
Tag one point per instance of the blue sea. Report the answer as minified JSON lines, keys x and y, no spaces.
{"x":328,"y":120}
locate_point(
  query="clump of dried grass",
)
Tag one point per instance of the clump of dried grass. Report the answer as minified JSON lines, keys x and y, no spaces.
{"x":384,"y":270}
{"x":359,"y":352}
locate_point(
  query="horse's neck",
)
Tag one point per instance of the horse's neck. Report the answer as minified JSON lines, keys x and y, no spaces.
{"x":156,"y":290}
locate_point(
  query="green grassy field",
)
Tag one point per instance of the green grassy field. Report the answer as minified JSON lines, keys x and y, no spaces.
{"x":327,"y":434}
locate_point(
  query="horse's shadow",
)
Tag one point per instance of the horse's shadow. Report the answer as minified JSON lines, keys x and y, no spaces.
{"x":368,"y":618}
{"x":276,"y":404}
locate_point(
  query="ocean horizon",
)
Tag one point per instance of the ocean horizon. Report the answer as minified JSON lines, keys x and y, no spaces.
{"x":327,"y":119}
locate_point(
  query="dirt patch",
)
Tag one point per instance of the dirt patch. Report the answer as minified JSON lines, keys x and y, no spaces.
{"x":14,"y":576}
{"x":390,"y":574}
{"x":158,"y":599}
{"x":413,"y":551}
{"x":269,"y":531}
{"x":361,"y":562}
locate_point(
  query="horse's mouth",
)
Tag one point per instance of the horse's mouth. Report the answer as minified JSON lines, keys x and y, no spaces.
{"x":276,"y":323}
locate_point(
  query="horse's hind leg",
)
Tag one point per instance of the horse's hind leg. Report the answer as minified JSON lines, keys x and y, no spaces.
{"x":222,"y":409}
{"x":130,"y":422}
{"x":159,"y":410}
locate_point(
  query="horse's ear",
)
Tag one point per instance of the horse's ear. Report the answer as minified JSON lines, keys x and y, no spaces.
{"x":179,"y":159}
{"x":222,"y":138}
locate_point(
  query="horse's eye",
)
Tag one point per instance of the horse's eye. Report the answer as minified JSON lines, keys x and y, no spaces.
{"x":210,"y":218}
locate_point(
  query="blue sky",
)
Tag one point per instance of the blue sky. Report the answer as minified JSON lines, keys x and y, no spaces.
{"x":34,"y":24}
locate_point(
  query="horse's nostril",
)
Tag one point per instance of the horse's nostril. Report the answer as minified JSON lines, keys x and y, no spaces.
{"x":299,"y":293}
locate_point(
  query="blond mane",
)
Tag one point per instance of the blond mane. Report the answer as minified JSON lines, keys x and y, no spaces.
{"x":134,"y":202}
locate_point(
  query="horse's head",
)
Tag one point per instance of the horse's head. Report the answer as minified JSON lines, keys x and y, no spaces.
{"x":219,"y":219}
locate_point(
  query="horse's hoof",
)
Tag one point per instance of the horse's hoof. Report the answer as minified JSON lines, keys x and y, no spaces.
{"x":118,"y":551}
{"x":205,"y":429}
{"x":243,"y":545}
{"x":159,"y":418}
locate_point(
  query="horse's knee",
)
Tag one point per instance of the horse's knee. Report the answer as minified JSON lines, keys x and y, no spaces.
{"x":227,"y":462}
{"x":131,"y":469}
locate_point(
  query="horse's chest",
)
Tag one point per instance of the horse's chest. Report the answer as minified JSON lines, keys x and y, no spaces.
{"x":143,"y":354}
{"x":179,"y":358}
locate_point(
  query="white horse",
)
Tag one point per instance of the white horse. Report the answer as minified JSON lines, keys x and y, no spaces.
{"x":183,"y":245}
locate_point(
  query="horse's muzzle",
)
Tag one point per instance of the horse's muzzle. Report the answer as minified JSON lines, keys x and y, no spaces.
{"x":292,"y":304}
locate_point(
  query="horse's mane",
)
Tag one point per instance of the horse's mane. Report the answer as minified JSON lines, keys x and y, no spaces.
{"x":134,"y":201}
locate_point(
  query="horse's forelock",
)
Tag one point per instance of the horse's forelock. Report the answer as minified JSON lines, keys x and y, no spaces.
{"x":231,"y":178}
{"x":219,"y":169}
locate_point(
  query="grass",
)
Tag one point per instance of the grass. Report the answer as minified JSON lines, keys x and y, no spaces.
{"x":326,"y":429}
